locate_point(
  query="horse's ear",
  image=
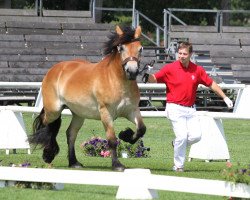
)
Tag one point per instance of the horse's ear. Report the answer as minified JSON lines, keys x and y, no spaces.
{"x":137,"y":32}
{"x":119,"y":30}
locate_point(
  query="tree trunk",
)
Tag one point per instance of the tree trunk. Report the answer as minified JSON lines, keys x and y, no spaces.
{"x":98,"y":13}
{"x":226,"y":5}
{"x":70,"y":4}
{"x":5,"y":3}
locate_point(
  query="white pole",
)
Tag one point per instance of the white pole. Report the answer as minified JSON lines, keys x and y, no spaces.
{"x":133,"y":14}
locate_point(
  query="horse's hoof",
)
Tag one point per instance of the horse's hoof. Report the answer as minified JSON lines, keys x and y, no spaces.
{"x":118,"y":168}
{"x":50,"y":165}
{"x":126,"y":135}
{"x":77,"y":165}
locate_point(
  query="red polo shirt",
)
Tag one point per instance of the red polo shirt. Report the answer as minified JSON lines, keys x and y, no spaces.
{"x":182,"y":82}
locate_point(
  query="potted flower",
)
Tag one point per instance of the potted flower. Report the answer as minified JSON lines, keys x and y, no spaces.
{"x":238,"y":177}
{"x":29,"y":184}
{"x":96,"y":146}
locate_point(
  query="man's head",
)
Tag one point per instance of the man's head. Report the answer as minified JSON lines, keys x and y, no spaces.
{"x":185,"y":50}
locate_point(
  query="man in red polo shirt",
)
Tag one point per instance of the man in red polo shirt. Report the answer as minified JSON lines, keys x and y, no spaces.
{"x":182,"y":78}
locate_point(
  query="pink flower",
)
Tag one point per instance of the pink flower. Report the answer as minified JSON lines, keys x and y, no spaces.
{"x":229,"y":164}
{"x":105,"y":153}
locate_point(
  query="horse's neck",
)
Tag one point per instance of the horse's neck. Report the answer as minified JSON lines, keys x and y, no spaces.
{"x":113,"y":64}
{"x":114,"y":72}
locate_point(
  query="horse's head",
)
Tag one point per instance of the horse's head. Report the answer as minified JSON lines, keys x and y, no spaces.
{"x":126,"y":43}
{"x":130,"y":51}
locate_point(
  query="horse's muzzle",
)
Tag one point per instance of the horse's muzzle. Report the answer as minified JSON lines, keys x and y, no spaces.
{"x":132,"y":76}
{"x":131,"y":68}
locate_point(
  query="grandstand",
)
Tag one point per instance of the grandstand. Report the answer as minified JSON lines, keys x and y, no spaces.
{"x":31,"y":44}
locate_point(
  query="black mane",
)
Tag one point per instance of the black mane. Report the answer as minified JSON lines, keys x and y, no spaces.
{"x":114,"y":40}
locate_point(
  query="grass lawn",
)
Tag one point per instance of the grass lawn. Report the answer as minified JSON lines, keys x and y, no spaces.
{"x":158,"y":137}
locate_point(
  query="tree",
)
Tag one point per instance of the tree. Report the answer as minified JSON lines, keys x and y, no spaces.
{"x":5,"y":3}
{"x":149,"y":8}
{"x":66,"y":4}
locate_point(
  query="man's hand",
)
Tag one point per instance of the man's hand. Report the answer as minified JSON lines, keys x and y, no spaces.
{"x":228,"y":102}
{"x":145,"y":78}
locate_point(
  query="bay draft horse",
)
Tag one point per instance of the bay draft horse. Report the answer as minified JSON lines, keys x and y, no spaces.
{"x":103,"y":91}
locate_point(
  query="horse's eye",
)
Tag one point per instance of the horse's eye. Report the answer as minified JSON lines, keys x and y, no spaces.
{"x":120,"y":48}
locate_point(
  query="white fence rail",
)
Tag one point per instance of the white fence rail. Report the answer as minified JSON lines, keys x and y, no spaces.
{"x":239,"y":87}
{"x":133,"y":183}
{"x":212,"y":146}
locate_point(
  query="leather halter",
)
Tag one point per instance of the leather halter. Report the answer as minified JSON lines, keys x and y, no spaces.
{"x":124,"y":62}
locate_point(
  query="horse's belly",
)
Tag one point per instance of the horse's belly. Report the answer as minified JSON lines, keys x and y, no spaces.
{"x":87,"y":112}
{"x":91,"y":111}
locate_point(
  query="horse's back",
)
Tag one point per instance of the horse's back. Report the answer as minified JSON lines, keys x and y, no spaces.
{"x":65,"y":69}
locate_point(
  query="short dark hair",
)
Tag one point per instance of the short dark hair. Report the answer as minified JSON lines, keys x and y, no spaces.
{"x":187,"y":45}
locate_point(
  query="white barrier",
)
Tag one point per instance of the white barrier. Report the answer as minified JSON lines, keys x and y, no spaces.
{"x":211,"y":123}
{"x":20,"y":84}
{"x":240,"y":104}
{"x":13,"y":133}
{"x":133,"y":183}
{"x":213,"y":144}
{"x":144,"y":189}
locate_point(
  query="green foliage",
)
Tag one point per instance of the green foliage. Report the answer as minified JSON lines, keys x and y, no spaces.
{"x":237,"y":174}
{"x":52,"y":5}
{"x":34,"y":185}
{"x":122,"y":20}
{"x":137,"y":150}
{"x":23,"y":4}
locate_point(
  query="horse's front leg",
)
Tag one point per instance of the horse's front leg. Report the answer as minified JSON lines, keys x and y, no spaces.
{"x":107,"y":121}
{"x":129,"y":135}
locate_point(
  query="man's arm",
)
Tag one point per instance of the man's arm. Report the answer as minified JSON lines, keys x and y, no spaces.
{"x":216,"y":88}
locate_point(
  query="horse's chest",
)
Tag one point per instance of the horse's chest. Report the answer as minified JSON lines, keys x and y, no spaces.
{"x":124,"y":103}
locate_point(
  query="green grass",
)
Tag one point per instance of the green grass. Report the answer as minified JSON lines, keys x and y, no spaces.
{"x":158,"y":137}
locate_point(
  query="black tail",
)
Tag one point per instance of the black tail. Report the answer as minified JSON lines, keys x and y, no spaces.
{"x":45,"y":135}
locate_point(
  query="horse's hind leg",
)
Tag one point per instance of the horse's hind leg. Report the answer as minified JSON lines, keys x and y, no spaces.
{"x":52,"y":148}
{"x":45,"y":129}
{"x":72,"y":131}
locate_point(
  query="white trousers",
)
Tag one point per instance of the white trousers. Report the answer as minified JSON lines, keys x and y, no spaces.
{"x":186,"y":128}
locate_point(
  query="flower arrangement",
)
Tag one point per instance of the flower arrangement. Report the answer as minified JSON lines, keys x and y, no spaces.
{"x":137,"y":150}
{"x":237,"y":174}
{"x":97,"y":146}
{"x":32,"y":185}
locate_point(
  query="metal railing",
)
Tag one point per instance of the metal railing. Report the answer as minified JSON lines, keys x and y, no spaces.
{"x":168,"y":17}
{"x":219,"y":15}
{"x":159,"y":31}
{"x":136,"y":19}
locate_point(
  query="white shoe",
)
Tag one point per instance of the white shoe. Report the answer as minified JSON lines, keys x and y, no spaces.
{"x":176,"y":169}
